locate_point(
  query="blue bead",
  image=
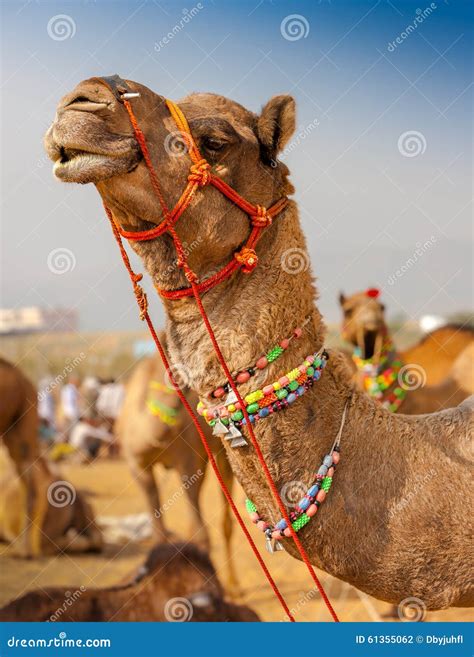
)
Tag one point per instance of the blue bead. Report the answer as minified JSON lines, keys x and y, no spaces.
{"x":323,"y":470}
{"x":313,"y":490}
{"x":300,"y":390}
{"x":327,"y":460}
{"x":304,"y":503}
{"x":263,"y":412}
{"x":291,"y":398}
{"x":244,"y":421}
{"x":252,"y":419}
{"x":281,"y":524}
{"x":316,"y":375}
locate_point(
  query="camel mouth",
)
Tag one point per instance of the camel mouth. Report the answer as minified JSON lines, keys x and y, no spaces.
{"x":83,"y":166}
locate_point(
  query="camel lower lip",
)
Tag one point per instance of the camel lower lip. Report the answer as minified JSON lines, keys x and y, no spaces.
{"x":77,"y":161}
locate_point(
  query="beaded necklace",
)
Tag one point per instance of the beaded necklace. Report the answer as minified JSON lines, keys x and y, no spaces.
{"x":309,"y":503}
{"x":228,"y":419}
{"x":242,"y":376}
{"x":380,"y":378}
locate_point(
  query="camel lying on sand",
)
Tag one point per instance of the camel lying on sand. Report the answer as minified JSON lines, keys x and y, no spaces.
{"x":68,"y":523}
{"x":153,"y":428}
{"x":385,"y":374}
{"x":176,"y":583}
{"x":19,"y":431}
{"x":372,"y":531}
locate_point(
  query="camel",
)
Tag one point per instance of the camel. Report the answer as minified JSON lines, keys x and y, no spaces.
{"x":153,"y":428}
{"x":362,"y":534}
{"x":177,"y":583}
{"x":67,"y":523}
{"x":19,"y":430}
{"x":376,"y":357}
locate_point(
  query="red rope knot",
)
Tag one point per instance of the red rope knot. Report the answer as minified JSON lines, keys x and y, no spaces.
{"x":190,"y":275}
{"x":261,"y":219}
{"x":140,"y":295}
{"x":247,"y":259}
{"x":200,"y":173}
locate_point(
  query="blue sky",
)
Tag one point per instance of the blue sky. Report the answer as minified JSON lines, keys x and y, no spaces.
{"x":366,"y":203}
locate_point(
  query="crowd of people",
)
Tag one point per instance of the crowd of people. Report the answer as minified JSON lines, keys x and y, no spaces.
{"x":79,"y":416}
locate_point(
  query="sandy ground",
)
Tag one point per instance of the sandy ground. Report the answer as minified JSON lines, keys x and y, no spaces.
{"x":112,"y":492}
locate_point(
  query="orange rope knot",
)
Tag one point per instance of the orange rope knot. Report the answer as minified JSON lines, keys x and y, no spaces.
{"x":200,"y":173}
{"x":262,"y":219}
{"x":190,"y":275}
{"x":247,"y":258}
{"x":142,"y":300}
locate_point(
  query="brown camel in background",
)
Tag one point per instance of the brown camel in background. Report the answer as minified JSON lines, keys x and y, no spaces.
{"x":19,"y":430}
{"x":176,"y":583}
{"x":360,"y":534}
{"x":67,"y":524}
{"x":365,"y":328}
{"x":153,"y":428}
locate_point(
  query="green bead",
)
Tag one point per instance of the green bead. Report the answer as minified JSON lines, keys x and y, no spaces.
{"x":300,"y":522}
{"x":326,"y":484}
{"x":282,"y":393}
{"x":212,"y":423}
{"x":225,"y":421}
{"x":317,"y":362}
{"x":253,"y":408}
{"x":250,"y":506}
{"x":274,"y":353}
{"x":293,"y":385}
{"x":310,"y":371}
{"x":238,"y":415}
{"x":392,"y":408}
{"x":399,"y":392}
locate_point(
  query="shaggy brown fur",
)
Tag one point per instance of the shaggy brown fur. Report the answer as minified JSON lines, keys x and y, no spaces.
{"x":65,"y":527}
{"x":176,"y":582}
{"x":147,"y":441}
{"x":364,"y":326}
{"x":385,"y":524}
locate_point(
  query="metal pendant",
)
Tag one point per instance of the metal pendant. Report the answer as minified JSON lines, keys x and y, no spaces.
{"x":235,"y":436}
{"x":231,"y":398}
{"x":219,"y":429}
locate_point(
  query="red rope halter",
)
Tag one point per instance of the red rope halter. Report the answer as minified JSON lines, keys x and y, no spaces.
{"x":200,"y":175}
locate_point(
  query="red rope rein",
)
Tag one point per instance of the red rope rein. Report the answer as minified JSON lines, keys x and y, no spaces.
{"x":261,"y":218}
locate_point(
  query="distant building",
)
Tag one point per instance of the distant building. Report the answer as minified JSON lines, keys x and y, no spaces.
{"x":34,"y":319}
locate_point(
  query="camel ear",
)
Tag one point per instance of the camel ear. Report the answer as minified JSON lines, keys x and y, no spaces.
{"x":276,"y":124}
{"x":342,"y":298}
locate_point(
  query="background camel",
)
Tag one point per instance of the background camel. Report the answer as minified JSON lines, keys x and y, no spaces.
{"x":19,"y":430}
{"x":153,"y":428}
{"x":67,"y":524}
{"x":361,"y":534}
{"x":365,"y":328}
{"x":177,"y":582}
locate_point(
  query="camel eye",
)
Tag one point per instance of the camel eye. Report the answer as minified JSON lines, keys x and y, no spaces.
{"x":212,"y":144}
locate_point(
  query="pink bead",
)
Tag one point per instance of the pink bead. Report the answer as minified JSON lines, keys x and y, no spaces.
{"x":330,"y":472}
{"x":243,"y":377}
{"x":261,"y":363}
{"x":254,"y":517}
{"x":224,"y":412}
{"x":267,"y":390}
{"x":284,"y":343}
{"x":284,"y":381}
{"x":302,"y":368}
{"x":321,"y":496}
{"x":287,"y":532}
{"x":238,"y":406}
{"x":311,"y":510}
{"x":336,"y":457}
{"x":298,"y":332}
{"x":262,"y":525}
{"x":276,"y":534}
{"x":219,"y":392}
{"x":310,"y":359}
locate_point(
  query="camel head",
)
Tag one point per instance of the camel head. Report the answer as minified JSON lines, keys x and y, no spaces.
{"x":92,"y":140}
{"x":363,"y":320}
